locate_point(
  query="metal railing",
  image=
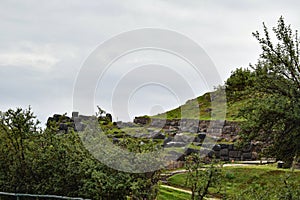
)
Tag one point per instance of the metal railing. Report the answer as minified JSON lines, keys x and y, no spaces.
{"x":18,"y":195}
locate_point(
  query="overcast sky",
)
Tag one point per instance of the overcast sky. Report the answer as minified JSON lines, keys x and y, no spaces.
{"x":43,"y":45}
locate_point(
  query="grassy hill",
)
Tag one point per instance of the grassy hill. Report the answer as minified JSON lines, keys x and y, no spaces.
{"x":203,"y":105}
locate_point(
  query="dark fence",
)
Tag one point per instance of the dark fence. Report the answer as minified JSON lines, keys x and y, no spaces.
{"x":19,"y":196}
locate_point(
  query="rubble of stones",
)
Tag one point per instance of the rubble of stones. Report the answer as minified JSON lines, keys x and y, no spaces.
{"x":214,"y":137}
{"x":219,"y":134}
{"x":76,"y":122}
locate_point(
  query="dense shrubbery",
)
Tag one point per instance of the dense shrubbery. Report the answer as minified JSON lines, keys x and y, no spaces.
{"x":47,"y":162}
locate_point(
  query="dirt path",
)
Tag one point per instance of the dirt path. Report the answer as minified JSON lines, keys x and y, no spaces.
{"x":175,"y":188}
{"x":184,"y":171}
{"x":185,"y":191}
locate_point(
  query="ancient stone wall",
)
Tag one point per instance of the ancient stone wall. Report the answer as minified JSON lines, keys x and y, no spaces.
{"x":225,"y":129}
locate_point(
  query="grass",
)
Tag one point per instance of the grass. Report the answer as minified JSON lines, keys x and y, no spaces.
{"x":170,"y":194}
{"x":200,"y":108}
{"x":237,"y":179}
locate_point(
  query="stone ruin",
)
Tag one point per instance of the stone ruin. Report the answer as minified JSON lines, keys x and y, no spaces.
{"x":173,"y":133}
{"x":76,"y":122}
{"x":225,"y":131}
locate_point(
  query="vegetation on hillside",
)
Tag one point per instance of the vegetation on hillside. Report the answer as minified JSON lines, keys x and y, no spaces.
{"x":237,"y":96}
{"x":51,"y":162}
{"x":273,"y":113}
{"x":247,"y":183}
{"x":265,"y":99}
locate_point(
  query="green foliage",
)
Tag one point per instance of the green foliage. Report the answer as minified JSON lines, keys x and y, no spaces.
{"x":273,"y":114}
{"x":48,"y":162}
{"x":18,"y":129}
{"x":238,"y":83}
{"x":250,"y":182}
{"x":201,"y":107}
{"x":200,"y":179}
{"x":285,"y":188}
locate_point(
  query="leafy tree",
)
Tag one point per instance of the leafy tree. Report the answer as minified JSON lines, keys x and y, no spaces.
{"x":273,"y":114}
{"x":237,"y":84}
{"x":48,"y":162}
{"x":17,"y":130}
{"x":199,"y":178}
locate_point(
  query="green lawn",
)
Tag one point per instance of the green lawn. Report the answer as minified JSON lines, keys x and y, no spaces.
{"x":238,"y":179}
{"x":170,"y":194}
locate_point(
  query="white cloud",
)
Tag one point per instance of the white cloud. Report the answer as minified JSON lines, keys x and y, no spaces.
{"x":35,"y":60}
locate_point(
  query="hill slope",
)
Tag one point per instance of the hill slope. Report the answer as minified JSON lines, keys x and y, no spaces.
{"x":203,"y":105}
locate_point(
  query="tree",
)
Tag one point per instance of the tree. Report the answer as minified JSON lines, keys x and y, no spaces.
{"x":237,"y":84}
{"x":199,"y":178}
{"x":273,"y":114}
{"x":48,"y":162}
{"x":17,"y":130}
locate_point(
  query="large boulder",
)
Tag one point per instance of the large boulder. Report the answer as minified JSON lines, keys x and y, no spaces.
{"x":144,"y":120}
{"x":62,"y":122}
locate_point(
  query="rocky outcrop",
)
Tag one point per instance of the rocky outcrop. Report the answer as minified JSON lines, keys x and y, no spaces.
{"x":177,"y":133}
{"x":224,"y":129}
{"x":183,"y":132}
{"x":62,"y":122}
{"x":76,"y":122}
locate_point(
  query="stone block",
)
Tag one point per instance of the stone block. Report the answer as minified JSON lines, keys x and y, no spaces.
{"x":234,"y":154}
{"x":224,"y":152}
{"x":217,"y":147}
{"x":246,"y":156}
{"x":224,"y":158}
{"x":217,"y":154}
{"x":75,"y":114}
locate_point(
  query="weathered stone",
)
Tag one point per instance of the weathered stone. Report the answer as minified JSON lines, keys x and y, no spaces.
{"x":158,"y":135}
{"x":247,"y":148}
{"x":201,"y":136}
{"x":115,"y":140}
{"x":217,"y":147}
{"x":75,"y":114}
{"x":142,"y":120}
{"x":183,"y":138}
{"x":196,"y":139}
{"x":63,"y":127}
{"x":254,"y":156}
{"x":189,"y":151}
{"x":227,"y":129}
{"x":224,"y":152}
{"x":198,"y":144}
{"x":63,"y":122}
{"x":230,"y":147}
{"x":224,"y":158}
{"x":175,"y":144}
{"x":77,"y":120}
{"x":246,"y":156}
{"x":224,"y":146}
{"x":175,"y":156}
{"x":109,"y":117}
{"x":167,"y":140}
{"x":211,"y":154}
{"x":79,"y":126}
{"x":217,"y":154}
{"x":234,"y":154}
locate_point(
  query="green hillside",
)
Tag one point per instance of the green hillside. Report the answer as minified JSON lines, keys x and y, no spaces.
{"x":203,"y":105}
{"x":238,"y":92}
